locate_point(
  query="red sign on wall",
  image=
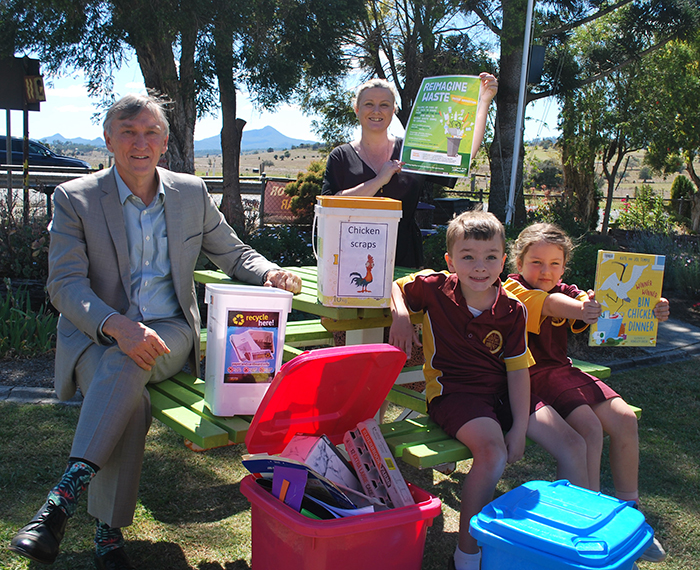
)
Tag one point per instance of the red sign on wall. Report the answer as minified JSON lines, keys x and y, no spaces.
{"x":277,"y":205}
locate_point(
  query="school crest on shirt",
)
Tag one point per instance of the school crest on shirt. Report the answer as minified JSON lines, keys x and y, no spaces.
{"x":558,"y":321}
{"x":494,"y":341}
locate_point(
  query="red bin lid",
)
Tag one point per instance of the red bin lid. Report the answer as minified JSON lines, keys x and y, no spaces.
{"x":324,"y":391}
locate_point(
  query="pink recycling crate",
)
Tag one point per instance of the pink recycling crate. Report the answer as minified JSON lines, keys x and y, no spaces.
{"x":328,"y":391}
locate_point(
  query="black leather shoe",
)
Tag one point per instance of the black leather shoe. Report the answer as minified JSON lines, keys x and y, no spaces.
{"x":114,"y":560}
{"x":39,"y":540}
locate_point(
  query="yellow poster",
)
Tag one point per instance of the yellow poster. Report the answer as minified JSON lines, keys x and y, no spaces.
{"x":628,"y":286}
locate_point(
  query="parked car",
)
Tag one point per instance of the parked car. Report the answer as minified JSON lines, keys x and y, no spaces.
{"x":39,"y":155}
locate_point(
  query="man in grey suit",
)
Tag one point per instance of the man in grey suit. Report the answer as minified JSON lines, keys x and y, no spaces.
{"x":124,"y":243}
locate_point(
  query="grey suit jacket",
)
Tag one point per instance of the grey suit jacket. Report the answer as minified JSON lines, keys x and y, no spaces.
{"x":89,"y":275}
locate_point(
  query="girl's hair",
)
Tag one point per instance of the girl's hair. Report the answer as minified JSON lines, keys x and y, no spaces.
{"x":373,"y":84}
{"x":541,"y":232}
{"x":474,"y":224}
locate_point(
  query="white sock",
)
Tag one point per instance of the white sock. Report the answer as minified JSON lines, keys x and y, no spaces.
{"x":465,"y":561}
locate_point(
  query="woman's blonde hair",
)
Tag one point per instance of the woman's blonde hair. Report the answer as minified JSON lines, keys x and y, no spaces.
{"x":374,"y":84}
{"x":537,"y":233}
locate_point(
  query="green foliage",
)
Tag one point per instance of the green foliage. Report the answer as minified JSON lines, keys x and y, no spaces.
{"x":682,"y":270}
{"x":547,"y":172}
{"x":24,"y":332}
{"x":645,"y":212}
{"x":561,"y":211}
{"x":434,"y":250}
{"x":581,"y":267}
{"x":681,"y":189}
{"x":24,"y":250}
{"x":285,"y":245}
{"x":304,"y":191}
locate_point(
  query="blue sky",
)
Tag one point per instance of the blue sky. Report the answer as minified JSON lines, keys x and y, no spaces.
{"x":68,"y":111}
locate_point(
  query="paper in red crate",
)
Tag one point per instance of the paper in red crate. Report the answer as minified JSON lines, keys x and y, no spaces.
{"x":364,"y":467}
{"x":385,"y":464}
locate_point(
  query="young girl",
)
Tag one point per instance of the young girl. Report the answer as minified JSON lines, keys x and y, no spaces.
{"x":590,"y":406}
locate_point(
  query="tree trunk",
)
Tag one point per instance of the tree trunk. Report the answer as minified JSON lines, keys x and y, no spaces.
{"x":610,"y":176}
{"x":502,"y":148}
{"x":157,"y":62}
{"x":578,"y":163}
{"x":694,"y":198}
{"x":231,"y":133}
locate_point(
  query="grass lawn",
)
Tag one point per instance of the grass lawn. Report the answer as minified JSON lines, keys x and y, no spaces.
{"x":191,"y":513}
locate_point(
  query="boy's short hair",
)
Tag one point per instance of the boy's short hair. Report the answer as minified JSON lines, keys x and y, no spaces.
{"x":475,"y":224}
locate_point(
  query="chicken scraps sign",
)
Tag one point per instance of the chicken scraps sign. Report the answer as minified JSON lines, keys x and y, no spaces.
{"x":362,"y":259}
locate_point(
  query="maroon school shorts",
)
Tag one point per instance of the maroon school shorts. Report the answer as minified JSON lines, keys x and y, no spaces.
{"x":452,"y":411}
{"x":566,"y":388}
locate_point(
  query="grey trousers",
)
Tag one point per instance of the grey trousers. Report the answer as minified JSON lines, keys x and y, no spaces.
{"x":115,"y":417}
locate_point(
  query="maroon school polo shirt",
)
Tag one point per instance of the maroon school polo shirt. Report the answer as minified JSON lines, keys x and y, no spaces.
{"x":548,"y":335}
{"x":464,"y":353}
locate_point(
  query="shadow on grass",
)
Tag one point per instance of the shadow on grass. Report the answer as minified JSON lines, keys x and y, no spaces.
{"x":191,"y":514}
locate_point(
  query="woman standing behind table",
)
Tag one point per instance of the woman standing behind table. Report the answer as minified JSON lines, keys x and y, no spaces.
{"x":370,"y":166}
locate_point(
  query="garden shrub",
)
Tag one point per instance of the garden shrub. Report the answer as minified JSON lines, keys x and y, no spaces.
{"x":285,"y":245}
{"x":681,"y":190}
{"x":560,"y":211}
{"x":682,"y":268}
{"x":434,"y":250}
{"x":646,"y":212}
{"x":24,"y":332}
{"x":24,"y":250}
{"x":304,"y":191}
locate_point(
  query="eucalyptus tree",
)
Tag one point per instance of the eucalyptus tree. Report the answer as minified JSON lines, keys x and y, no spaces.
{"x":197,"y":53}
{"x":625,"y":34}
{"x":672,"y":85}
{"x":406,"y":40}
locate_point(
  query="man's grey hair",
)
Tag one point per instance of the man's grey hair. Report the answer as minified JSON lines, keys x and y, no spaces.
{"x":131,"y":106}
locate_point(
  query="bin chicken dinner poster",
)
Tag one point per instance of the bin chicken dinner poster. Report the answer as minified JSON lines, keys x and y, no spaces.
{"x":440,"y":130}
{"x":627,"y":285}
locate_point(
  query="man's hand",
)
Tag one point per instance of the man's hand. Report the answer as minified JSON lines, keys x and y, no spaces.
{"x":139,"y":342}
{"x":283,"y":280}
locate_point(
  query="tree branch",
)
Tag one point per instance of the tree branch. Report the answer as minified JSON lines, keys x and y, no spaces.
{"x":577,"y":23}
{"x":490,"y":24}
{"x":583,"y":82}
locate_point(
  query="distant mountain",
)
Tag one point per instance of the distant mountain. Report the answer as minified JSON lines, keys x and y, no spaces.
{"x":257,"y":139}
{"x":99,"y":142}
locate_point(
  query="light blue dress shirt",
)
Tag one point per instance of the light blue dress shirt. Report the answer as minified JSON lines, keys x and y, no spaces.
{"x":152,"y":292}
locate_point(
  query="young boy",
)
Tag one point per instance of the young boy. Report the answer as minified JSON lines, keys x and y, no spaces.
{"x":476,"y":367}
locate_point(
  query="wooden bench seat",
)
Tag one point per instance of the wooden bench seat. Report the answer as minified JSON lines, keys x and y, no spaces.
{"x":421,"y":443}
{"x":179,"y":403}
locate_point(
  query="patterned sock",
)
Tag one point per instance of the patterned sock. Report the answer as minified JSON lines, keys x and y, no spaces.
{"x":74,"y":481}
{"x":107,"y":538}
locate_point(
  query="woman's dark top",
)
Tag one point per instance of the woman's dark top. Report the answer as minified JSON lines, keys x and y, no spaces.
{"x":345,"y":169}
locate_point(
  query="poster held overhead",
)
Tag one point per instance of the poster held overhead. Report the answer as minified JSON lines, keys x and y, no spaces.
{"x":440,"y":129}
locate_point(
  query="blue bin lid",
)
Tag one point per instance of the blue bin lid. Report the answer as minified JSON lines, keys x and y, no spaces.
{"x":564,"y":521}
